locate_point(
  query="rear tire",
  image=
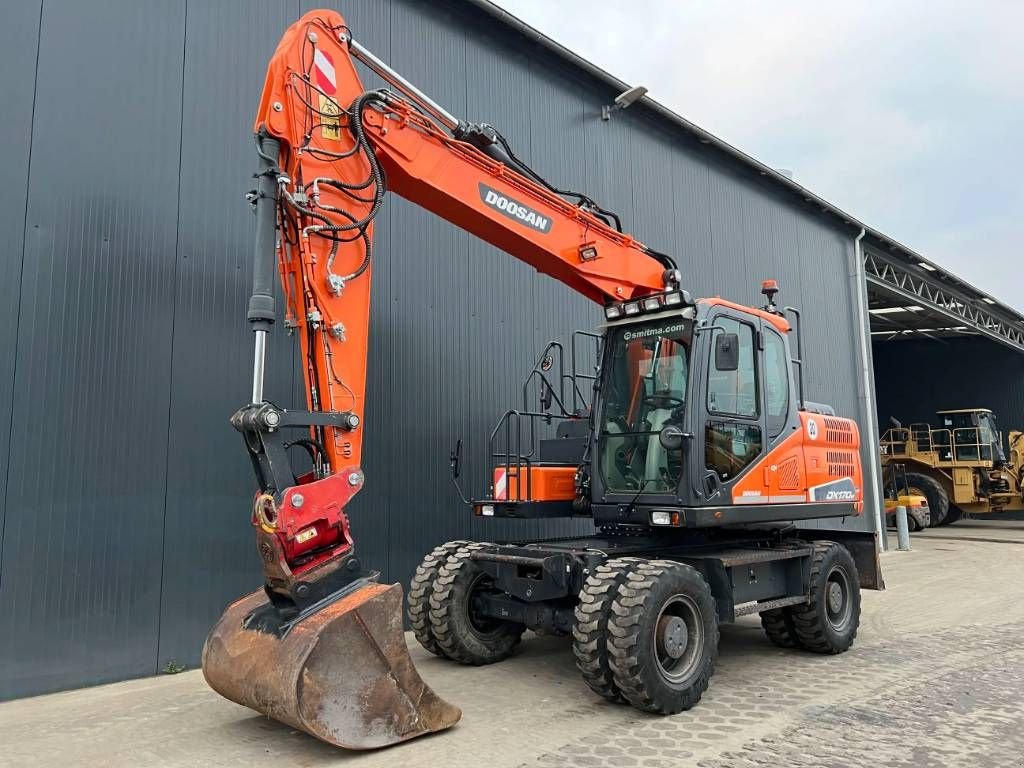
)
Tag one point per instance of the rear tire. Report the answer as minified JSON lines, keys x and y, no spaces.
{"x":420,"y":588}
{"x":460,"y":634}
{"x":590,"y":631}
{"x":663,"y":637}
{"x":778,"y":626}
{"x":828,"y":623}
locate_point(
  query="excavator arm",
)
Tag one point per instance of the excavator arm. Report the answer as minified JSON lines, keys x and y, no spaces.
{"x":328,"y":151}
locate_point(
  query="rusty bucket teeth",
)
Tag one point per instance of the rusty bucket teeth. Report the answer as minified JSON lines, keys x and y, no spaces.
{"x":342,"y":674}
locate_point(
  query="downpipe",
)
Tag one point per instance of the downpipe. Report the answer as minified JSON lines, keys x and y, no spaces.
{"x":874,"y":464}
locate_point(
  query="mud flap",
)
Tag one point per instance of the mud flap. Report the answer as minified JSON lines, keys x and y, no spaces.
{"x":342,"y":674}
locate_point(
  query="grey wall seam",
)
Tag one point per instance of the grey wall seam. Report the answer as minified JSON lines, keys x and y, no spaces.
{"x":17,"y":325}
{"x":174,"y":314}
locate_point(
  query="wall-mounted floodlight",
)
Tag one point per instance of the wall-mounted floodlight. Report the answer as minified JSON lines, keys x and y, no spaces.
{"x":623,"y":100}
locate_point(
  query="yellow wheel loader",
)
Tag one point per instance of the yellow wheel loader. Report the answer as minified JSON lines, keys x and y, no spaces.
{"x":960,"y":465}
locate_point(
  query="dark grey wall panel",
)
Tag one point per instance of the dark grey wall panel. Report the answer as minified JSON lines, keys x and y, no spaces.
{"x":83,"y":541}
{"x":19,"y":40}
{"x":914,"y":379}
{"x":132,"y":349}
{"x":208,"y":558}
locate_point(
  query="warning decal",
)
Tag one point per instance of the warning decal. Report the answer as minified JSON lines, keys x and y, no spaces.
{"x":323,"y":70}
{"x":330,"y":127}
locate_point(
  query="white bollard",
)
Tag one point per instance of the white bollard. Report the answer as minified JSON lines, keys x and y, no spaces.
{"x":902,"y":530}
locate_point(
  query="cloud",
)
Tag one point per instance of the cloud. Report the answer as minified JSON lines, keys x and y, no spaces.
{"x":908,"y":115}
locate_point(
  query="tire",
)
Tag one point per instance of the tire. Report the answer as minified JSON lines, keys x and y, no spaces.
{"x":460,"y":635}
{"x":938,"y":501}
{"x":778,"y":625}
{"x":829,"y":622}
{"x":590,"y":630}
{"x":663,"y":608}
{"x":954,"y":514}
{"x":421,"y":586}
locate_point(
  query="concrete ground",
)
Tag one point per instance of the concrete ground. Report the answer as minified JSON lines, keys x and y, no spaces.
{"x":936,"y":678}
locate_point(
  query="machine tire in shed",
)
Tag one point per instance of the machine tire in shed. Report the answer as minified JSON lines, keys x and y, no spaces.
{"x":931,"y":489}
{"x":954,"y":514}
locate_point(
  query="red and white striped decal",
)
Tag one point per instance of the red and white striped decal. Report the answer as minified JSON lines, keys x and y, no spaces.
{"x":500,"y":485}
{"x":323,"y":69}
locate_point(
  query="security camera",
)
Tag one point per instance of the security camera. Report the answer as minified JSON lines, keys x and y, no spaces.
{"x":623,"y":100}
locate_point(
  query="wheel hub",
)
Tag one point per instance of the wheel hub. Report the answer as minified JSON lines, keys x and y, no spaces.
{"x":835,"y":597}
{"x":672,"y":636}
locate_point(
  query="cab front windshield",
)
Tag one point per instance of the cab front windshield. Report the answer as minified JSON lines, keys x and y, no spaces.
{"x":646,"y":373}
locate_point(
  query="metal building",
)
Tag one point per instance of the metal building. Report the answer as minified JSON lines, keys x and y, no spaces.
{"x":125,"y":248}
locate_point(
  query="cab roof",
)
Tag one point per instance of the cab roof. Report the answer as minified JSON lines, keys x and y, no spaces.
{"x":780,"y":323}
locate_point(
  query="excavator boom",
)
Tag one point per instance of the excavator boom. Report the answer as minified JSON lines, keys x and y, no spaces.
{"x":320,"y":647}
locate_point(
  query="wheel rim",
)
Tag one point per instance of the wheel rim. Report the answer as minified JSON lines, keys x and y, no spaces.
{"x":481,"y":626}
{"x":837,"y":599}
{"x":678,"y":638}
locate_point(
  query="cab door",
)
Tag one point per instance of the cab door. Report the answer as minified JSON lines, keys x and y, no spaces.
{"x":734,"y":433}
{"x":782,"y":477}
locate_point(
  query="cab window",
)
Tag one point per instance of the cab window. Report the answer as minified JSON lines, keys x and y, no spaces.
{"x":648,"y":369}
{"x":730,"y":448}
{"x":776,"y":382}
{"x":735,"y":392}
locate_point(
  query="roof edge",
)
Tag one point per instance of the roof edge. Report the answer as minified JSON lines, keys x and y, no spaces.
{"x":535,"y":35}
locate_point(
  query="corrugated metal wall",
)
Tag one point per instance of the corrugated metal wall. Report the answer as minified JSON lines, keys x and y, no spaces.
{"x":125,"y":256}
{"x":914,"y":379}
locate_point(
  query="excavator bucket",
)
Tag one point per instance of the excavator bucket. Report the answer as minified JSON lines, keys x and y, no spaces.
{"x":342,"y":674}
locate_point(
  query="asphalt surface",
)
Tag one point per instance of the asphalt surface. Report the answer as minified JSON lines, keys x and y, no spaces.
{"x":936,"y":678}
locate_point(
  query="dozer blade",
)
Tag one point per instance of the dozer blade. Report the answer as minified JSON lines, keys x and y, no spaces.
{"x":342,"y":674}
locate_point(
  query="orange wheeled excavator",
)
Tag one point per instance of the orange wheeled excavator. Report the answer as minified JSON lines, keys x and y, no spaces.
{"x":693,"y":457}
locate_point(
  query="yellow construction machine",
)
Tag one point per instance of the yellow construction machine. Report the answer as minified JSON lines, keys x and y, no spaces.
{"x":960,"y":466}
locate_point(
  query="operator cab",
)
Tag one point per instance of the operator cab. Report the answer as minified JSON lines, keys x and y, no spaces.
{"x":691,"y":396}
{"x":972,"y":433}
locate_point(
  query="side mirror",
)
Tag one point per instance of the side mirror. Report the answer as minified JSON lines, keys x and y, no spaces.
{"x":727,"y":352}
{"x":672,"y":437}
{"x":455,"y":460}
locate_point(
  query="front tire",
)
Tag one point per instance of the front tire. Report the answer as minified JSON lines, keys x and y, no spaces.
{"x":954,"y":514}
{"x":461,"y":634}
{"x":931,"y":489}
{"x":421,"y":587}
{"x":829,"y":622}
{"x":663,"y":637}
{"x":590,"y":631}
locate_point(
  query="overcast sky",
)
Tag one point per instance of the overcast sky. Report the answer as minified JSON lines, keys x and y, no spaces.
{"x":908,"y":115}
